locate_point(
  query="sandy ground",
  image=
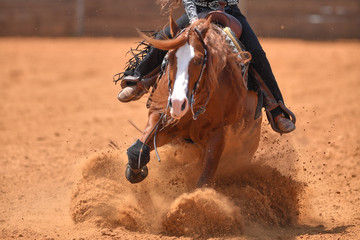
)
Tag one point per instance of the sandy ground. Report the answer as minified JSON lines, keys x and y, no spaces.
{"x":61,"y":179}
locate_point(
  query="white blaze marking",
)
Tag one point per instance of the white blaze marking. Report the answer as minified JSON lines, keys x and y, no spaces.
{"x":184,"y":55}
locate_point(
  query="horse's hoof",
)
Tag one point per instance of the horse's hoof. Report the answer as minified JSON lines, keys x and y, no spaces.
{"x":136,"y":175}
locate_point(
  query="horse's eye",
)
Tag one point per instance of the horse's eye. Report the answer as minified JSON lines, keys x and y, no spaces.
{"x":198,"y":61}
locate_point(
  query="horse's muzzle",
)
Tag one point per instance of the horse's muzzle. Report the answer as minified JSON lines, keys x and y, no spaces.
{"x":136,"y":175}
{"x":179,"y":107}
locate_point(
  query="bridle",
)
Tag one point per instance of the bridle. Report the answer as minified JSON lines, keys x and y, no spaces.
{"x":195,"y":115}
{"x":202,"y":109}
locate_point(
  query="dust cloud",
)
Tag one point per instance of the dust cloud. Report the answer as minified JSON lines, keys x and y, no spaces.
{"x":168,"y":203}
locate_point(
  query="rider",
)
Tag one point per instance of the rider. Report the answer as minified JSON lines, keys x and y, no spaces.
{"x":137,"y":81}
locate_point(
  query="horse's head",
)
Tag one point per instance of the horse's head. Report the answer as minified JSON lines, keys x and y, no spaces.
{"x":186,"y":61}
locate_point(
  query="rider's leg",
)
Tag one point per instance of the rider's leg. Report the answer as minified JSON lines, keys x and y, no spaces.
{"x":262,"y":66}
{"x":144,"y":75}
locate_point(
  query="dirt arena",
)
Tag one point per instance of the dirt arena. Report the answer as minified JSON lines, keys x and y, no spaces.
{"x":64,"y":135}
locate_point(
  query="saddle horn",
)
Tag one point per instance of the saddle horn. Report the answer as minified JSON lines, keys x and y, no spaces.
{"x":226,"y":20}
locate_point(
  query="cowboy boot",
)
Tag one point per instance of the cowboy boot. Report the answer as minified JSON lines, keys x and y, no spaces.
{"x":284,"y":124}
{"x":131,"y":90}
{"x":135,"y":87}
{"x":282,"y":120}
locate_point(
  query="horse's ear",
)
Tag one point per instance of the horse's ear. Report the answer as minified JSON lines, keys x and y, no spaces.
{"x":206,"y":26}
{"x":174,"y":28}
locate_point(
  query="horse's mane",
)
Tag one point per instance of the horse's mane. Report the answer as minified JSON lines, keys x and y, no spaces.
{"x":219,"y":58}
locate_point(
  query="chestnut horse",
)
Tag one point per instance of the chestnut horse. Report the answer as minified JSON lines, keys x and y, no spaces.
{"x":202,"y":97}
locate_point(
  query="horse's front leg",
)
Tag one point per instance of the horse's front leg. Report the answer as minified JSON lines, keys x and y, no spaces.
{"x":213,"y":150}
{"x":139,"y":152}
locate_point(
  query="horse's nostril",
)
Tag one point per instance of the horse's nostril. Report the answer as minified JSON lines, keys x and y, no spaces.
{"x":183,"y":106}
{"x":170,"y":103}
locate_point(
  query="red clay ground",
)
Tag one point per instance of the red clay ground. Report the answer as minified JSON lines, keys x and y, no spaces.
{"x":60,"y":179}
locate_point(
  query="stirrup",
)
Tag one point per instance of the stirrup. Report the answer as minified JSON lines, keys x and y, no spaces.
{"x":288,"y":114}
{"x":146,"y":81}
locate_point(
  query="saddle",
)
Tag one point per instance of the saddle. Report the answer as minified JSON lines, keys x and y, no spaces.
{"x":223,"y":19}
